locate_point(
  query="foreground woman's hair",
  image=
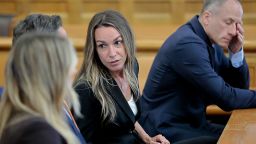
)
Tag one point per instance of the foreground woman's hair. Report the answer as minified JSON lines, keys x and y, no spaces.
{"x":38,"y":81}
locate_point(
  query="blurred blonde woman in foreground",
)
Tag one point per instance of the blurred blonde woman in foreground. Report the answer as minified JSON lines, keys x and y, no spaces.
{"x":39,"y":75}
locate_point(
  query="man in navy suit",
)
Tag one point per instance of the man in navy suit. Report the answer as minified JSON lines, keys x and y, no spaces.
{"x":191,"y":71}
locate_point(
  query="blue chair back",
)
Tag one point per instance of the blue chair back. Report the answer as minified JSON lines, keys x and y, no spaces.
{"x":1,"y":91}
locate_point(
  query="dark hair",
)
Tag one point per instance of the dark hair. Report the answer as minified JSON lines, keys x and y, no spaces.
{"x":38,"y":23}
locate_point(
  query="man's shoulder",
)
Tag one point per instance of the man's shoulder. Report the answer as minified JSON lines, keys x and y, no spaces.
{"x":183,"y":35}
{"x":186,"y":32}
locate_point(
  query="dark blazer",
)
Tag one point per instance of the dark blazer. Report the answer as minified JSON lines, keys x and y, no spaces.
{"x":186,"y":76}
{"x":33,"y":130}
{"x":119,"y":131}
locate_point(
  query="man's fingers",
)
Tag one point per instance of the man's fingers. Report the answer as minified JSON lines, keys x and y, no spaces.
{"x":240,"y":28}
{"x":240,"y":37}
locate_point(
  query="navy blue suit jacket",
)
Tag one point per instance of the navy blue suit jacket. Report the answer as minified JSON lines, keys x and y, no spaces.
{"x":186,"y":76}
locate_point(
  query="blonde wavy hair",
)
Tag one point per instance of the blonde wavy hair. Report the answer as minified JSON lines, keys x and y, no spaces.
{"x":38,"y":80}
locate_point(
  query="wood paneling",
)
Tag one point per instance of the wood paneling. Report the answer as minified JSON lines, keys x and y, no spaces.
{"x":136,"y":11}
{"x":3,"y":60}
{"x":90,"y":7}
{"x":145,"y":61}
{"x":8,"y":7}
{"x":153,"y":11}
{"x":251,"y":60}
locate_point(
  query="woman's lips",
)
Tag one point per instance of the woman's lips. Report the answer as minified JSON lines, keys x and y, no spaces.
{"x":115,"y":62}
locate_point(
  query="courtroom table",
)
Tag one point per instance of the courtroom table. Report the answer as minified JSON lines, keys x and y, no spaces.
{"x":241,"y":128}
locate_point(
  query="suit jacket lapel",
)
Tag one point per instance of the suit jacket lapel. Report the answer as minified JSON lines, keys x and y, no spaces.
{"x":198,"y":29}
{"x":118,"y":97}
{"x":211,"y":55}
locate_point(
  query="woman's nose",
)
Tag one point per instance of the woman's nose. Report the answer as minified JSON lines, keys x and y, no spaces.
{"x":112,"y":51}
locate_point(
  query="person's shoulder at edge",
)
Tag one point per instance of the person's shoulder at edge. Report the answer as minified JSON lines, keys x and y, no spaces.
{"x":85,"y":93}
{"x":34,"y":130}
{"x":81,"y":85}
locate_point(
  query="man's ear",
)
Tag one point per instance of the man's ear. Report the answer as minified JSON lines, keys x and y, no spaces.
{"x":206,"y":17}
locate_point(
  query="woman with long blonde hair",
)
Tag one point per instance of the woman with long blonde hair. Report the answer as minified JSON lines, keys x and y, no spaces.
{"x":38,"y":76}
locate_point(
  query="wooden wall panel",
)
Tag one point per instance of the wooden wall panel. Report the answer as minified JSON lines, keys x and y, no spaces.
{"x":136,"y":11}
{"x":3,"y":60}
{"x":192,"y":7}
{"x":56,"y":7}
{"x":249,"y":11}
{"x":251,"y":60}
{"x":90,"y":7}
{"x":153,"y":11}
{"x":145,"y":61}
{"x":8,"y":7}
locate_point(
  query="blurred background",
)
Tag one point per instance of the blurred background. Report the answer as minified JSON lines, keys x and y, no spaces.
{"x":77,"y":13}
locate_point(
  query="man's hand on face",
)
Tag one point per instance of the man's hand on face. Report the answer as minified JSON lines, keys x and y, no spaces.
{"x":237,"y":41}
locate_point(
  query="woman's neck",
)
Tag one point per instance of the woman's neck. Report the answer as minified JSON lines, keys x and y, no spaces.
{"x":123,"y":84}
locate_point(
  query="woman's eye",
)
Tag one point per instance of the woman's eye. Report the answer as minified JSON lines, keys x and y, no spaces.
{"x":101,"y":46}
{"x":118,"y":43}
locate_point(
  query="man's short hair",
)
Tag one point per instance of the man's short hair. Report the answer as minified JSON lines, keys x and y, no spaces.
{"x":38,"y":23}
{"x":211,"y":4}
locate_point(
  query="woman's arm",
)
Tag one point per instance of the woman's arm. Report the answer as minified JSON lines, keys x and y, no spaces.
{"x":158,"y":139}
